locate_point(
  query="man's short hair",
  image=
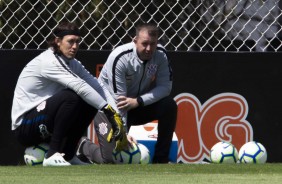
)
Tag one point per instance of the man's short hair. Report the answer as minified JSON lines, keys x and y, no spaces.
{"x":152,"y":28}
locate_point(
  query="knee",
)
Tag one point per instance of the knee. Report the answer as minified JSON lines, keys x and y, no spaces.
{"x":169,"y":105}
{"x":73,"y":99}
{"x":71,"y":96}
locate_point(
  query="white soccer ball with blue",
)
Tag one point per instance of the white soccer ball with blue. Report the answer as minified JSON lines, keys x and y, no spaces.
{"x":224,"y":152}
{"x":34,"y":155}
{"x":145,"y":154}
{"x":130,"y":156}
{"x":252,"y":152}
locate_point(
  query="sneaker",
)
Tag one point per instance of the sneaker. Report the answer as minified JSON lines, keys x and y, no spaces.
{"x":76,"y":161}
{"x":79,"y":148}
{"x":56,"y":160}
{"x":79,"y":153}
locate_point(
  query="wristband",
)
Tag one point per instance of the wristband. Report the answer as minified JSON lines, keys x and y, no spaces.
{"x":140,"y":101}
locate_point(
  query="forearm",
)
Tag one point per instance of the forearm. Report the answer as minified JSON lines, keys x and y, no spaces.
{"x":154,"y":95}
{"x":88,"y":94}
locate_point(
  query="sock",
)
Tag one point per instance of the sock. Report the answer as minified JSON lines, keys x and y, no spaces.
{"x":50,"y":153}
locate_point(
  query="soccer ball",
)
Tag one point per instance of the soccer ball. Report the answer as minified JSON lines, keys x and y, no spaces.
{"x":252,"y":152}
{"x":223,"y":152}
{"x":34,"y":155}
{"x":145,"y":154}
{"x":130,"y":156}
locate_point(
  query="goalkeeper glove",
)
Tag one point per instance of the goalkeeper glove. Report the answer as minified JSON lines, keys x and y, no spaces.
{"x":122,"y":144}
{"x":117,"y":130}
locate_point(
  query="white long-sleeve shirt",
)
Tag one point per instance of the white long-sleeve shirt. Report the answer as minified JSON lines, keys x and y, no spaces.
{"x":46,"y":75}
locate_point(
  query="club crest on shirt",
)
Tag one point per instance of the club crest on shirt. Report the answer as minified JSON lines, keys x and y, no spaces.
{"x":103,"y":129}
{"x":41,"y":106}
{"x":152,"y":69}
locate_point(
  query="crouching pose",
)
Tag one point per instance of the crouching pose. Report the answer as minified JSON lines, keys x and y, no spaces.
{"x":139,"y":77}
{"x":56,"y":98}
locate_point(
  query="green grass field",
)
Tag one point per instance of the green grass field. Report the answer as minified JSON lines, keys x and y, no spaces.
{"x":163,"y":173}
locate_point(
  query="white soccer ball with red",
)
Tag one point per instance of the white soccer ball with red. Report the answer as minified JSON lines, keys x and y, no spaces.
{"x":252,"y":152}
{"x":224,"y":152}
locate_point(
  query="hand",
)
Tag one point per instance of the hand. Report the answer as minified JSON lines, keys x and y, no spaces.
{"x":125,"y":143}
{"x":117,"y":131}
{"x":126,"y":103}
{"x":131,"y":140}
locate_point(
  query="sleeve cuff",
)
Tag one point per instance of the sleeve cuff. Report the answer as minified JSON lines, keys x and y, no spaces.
{"x":140,"y":101}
